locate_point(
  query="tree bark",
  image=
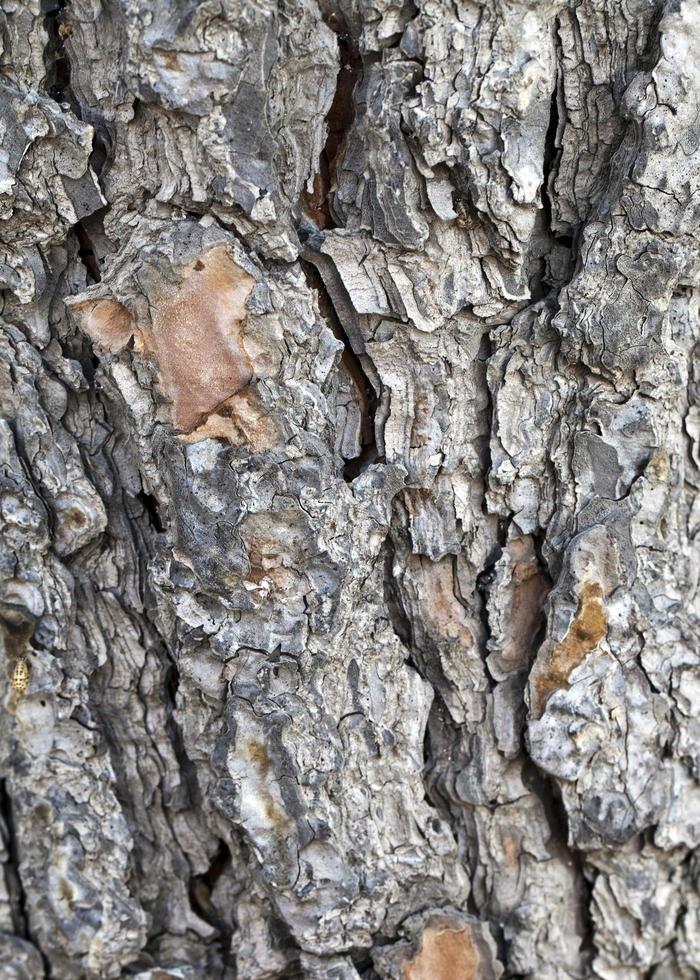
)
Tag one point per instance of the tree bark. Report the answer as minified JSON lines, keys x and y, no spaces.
{"x":349,"y":470}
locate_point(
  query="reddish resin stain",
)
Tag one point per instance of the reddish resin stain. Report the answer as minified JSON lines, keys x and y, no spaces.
{"x":446,"y":953}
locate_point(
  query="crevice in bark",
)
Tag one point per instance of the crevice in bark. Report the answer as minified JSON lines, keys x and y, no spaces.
{"x":86,"y":253}
{"x":13,"y":880}
{"x":362,"y":961}
{"x":551,"y":156}
{"x":354,"y":467}
{"x":545,"y":279}
{"x":435,"y":771}
{"x":171,"y":684}
{"x":151,"y":509}
{"x":548,"y":793}
{"x":441,"y":740}
{"x":200,"y":890}
{"x":484,"y":578}
{"x":484,"y":582}
{"x":58,"y":67}
{"x":283,"y":940}
{"x":399,"y":619}
{"x":367,"y":399}
{"x":550,"y":569}
{"x":100,"y":152}
{"x":20,"y":918}
{"x":57,"y":84}
{"x":317,"y":202}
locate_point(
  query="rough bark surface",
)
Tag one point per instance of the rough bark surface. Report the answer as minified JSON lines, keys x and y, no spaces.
{"x":349,"y":489}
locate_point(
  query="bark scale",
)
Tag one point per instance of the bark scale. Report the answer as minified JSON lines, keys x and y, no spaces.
{"x":349,"y":470}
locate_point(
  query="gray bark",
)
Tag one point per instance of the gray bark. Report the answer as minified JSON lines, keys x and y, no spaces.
{"x":349,"y":471}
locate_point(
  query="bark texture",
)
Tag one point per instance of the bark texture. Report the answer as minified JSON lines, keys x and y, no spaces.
{"x":349,"y":472}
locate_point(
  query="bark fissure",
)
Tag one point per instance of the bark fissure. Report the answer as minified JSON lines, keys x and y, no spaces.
{"x":56,"y":60}
{"x":338,"y":122}
{"x":366,"y":397}
{"x":13,"y":878}
{"x":200,"y":892}
{"x":86,"y":253}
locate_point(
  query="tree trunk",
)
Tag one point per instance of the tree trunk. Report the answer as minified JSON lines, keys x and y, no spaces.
{"x":350,"y":452}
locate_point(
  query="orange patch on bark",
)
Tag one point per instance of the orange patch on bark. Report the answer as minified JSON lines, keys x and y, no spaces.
{"x":258,"y":754}
{"x":197,"y":337}
{"x":242,"y":421}
{"x":107,"y":322}
{"x":587,"y":629}
{"x":446,"y":953}
{"x":511,"y":849}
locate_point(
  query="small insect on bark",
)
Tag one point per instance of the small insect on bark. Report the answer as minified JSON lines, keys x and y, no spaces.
{"x":20,"y":676}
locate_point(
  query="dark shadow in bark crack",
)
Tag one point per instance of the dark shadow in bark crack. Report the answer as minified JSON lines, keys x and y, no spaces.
{"x":317,"y":203}
{"x":151,"y":509}
{"x":200,"y":890}
{"x":11,"y":867}
{"x":86,"y":253}
{"x":366,"y":396}
{"x":549,"y":795}
{"x":58,"y":69}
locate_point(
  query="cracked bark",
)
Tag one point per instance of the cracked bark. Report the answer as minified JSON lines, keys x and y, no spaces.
{"x":349,"y":467}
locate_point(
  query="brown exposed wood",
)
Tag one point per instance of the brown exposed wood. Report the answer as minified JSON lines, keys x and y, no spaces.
{"x":445,"y":954}
{"x":107,"y":322}
{"x":241,"y":420}
{"x":197,"y":337}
